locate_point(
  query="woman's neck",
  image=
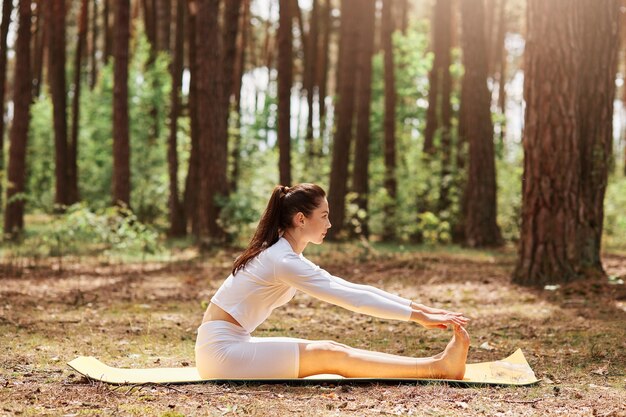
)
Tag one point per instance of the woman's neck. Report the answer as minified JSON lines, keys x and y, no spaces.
{"x":297,"y":242}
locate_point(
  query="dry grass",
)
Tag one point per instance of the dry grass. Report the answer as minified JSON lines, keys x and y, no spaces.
{"x":146,"y":315}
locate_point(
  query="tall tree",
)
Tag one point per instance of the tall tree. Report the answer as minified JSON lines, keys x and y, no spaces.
{"x":548,"y":245}
{"x":163,"y":17}
{"x":345,"y":113}
{"x":240,"y":62}
{"x":39,"y":47}
{"x":566,"y":138}
{"x":14,"y":211}
{"x":232,"y":11}
{"x":121,"y":141}
{"x":192,"y":181}
{"x":310,"y":72}
{"x":7,"y":8}
{"x":285,"y":80}
{"x":323,"y":65}
{"x":108,"y":33}
{"x":599,"y":41}
{"x":367,"y":17}
{"x":55,"y":20}
{"x":72,"y":172}
{"x":480,"y":214}
{"x":94,"y":46}
{"x":176,"y":209}
{"x":439,"y":113}
{"x":209,"y":99}
{"x":387,"y":27}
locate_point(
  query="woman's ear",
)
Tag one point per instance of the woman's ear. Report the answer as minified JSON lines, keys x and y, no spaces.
{"x":299,"y":219}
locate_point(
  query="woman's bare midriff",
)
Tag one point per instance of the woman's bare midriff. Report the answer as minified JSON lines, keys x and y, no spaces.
{"x":213,"y":312}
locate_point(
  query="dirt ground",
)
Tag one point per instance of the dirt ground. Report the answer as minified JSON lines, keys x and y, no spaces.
{"x":146,"y":315}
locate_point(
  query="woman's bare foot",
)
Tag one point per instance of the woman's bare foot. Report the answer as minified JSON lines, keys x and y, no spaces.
{"x":451,"y":362}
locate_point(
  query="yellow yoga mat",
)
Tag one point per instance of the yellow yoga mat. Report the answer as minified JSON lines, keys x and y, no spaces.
{"x":513,"y":370}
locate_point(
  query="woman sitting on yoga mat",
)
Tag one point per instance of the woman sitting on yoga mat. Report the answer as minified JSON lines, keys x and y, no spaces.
{"x":267,"y":275}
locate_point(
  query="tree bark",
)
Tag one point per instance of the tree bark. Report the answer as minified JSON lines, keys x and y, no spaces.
{"x":55,"y":20}
{"x":367,"y":17}
{"x":22,"y":84}
{"x":242,"y":44}
{"x":164,"y":21}
{"x":322,"y":69}
{"x":39,"y":47}
{"x":121,"y":145}
{"x":232,"y":12}
{"x":285,"y":80}
{"x":567,"y":142}
{"x":94,"y":46}
{"x":439,"y":111}
{"x":480,"y":221}
{"x":599,"y":47}
{"x":209,"y":99}
{"x":548,"y":250}
{"x":7,"y":8}
{"x":72,"y":173}
{"x":192,"y":182}
{"x":387,"y":27}
{"x":176,"y":209}
{"x":345,"y":112}
{"x":108,"y":33}
{"x":310,"y":71}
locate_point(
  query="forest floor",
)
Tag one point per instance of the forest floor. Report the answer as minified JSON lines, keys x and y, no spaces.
{"x":146,"y":315}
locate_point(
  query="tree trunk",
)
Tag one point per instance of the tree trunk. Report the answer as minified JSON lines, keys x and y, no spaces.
{"x":121,"y":145}
{"x":164,"y":21}
{"x":240,"y":61}
{"x":387,"y":27}
{"x":285,"y":80}
{"x":599,"y":47}
{"x":72,"y":173}
{"x":345,"y":112}
{"x":567,"y":142}
{"x":480,"y":222}
{"x":500,"y":60}
{"x":367,"y":17}
{"x":149,"y":21}
{"x":38,"y":50}
{"x":94,"y":46}
{"x":108,"y":33}
{"x":177,"y":213}
{"x":548,"y":250}
{"x":322,"y":68}
{"x":232,"y":11}
{"x":439,"y":110}
{"x":192,"y":182}
{"x":55,"y":20}
{"x":310,"y":71}
{"x":209,"y":99}
{"x":22,"y":84}
{"x":7,"y":8}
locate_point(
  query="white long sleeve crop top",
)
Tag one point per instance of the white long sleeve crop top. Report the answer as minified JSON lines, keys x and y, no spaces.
{"x":271,"y":279}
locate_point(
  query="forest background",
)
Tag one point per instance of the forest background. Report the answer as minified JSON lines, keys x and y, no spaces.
{"x":477,"y":148}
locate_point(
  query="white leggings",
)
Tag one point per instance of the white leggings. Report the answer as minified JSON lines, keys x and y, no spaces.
{"x":227,"y":351}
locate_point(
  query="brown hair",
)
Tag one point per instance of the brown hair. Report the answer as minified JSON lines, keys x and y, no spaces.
{"x":284,"y":203}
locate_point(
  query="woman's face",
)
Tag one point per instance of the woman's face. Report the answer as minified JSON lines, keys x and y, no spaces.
{"x":317,"y":224}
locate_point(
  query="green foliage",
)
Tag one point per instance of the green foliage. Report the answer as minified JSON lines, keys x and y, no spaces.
{"x":81,"y":231}
{"x":418,"y":177}
{"x":614,"y":214}
{"x":149,"y":87}
{"x":39,"y":192}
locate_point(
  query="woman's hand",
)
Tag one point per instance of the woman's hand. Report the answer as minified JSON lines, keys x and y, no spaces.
{"x":438,"y":320}
{"x":432,"y":310}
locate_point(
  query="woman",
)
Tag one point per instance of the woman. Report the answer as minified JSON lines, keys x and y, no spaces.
{"x":267,"y":275}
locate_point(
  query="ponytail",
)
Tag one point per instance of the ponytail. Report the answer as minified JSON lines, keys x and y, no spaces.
{"x":284,"y":203}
